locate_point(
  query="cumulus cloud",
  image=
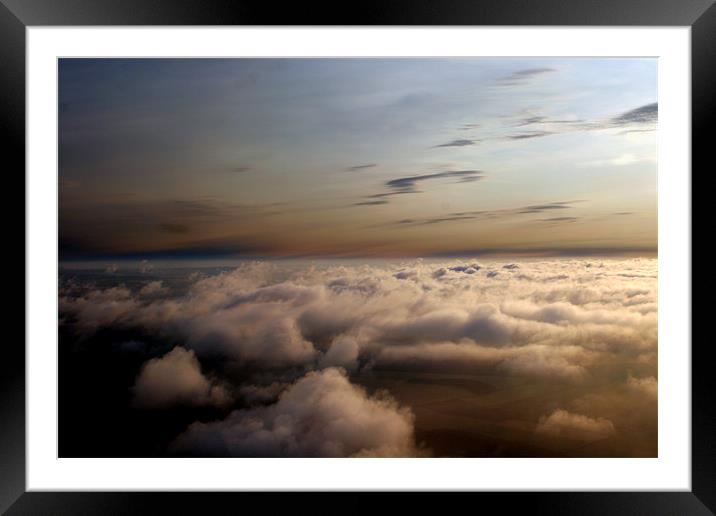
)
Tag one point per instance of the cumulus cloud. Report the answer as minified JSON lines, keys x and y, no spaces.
{"x":153,"y":288}
{"x":100,"y":307}
{"x":405,"y":275}
{"x":467,"y":269}
{"x":259,"y":316}
{"x":176,"y":379}
{"x":647,"y":385}
{"x":321,"y":415}
{"x":261,"y":394}
{"x":568,"y":326}
{"x":145,"y":267}
{"x":343,"y":352}
{"x":562,"y":423}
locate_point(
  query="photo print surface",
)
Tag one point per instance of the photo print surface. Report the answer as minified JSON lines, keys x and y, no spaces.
{"x":374,"y":257}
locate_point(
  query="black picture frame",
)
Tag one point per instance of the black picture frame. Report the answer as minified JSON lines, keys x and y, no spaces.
{"x":17,"y":15}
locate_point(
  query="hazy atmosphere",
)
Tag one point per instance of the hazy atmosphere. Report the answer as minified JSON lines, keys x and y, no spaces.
{"x":358,"y":257}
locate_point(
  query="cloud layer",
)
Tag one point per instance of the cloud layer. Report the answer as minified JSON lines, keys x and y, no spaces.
{"x":294,"y":343}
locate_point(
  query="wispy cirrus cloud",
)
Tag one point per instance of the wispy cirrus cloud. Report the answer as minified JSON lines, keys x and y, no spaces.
{"x":558,"y":220}
{"x":534,"y":126}
{"x":617,"y":161}
{"x":524,"y":76}
{"x":370,"y":203}
{"x":544,"y":208}
{"x":530,"y":135}
{"x":539,"y":208}
{"x":407,"y":184}
{"x":356,"y":168}
{"x":438,"y":220}
{"x":458,"y":143}
{"x":532,"y":120}
{"x":647,"y":114}
{"x":241,"y":169}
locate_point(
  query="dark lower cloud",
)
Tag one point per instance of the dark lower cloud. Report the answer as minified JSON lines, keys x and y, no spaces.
{"x":189,"y":227}
{"x":209,"y":249}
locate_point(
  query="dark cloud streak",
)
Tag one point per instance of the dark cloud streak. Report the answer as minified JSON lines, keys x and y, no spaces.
{"x":523,"y":76}
{"x":361,"y":167}
{"x":458,"y":143}
{"x":647,"y":114}
{"x":408,"y":183}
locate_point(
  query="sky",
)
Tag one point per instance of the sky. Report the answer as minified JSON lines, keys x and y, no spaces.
{"x":375,"y":157}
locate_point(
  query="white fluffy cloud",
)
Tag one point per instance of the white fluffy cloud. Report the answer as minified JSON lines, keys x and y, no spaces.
{"x":343,"y":352}
{"x":590,"y":326}
{"x":152,"y":289}
{"x":562,"y":423}
{"x":176,"y":379}
{"x":647,"y":385}
{"x":321,"y":415}
{"x":553,"y":318}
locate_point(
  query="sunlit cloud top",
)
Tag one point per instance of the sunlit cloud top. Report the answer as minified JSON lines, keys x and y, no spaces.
{"x":356,"y":157}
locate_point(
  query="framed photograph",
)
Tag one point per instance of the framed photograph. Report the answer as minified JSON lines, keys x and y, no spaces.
{"x":415,"y":248}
